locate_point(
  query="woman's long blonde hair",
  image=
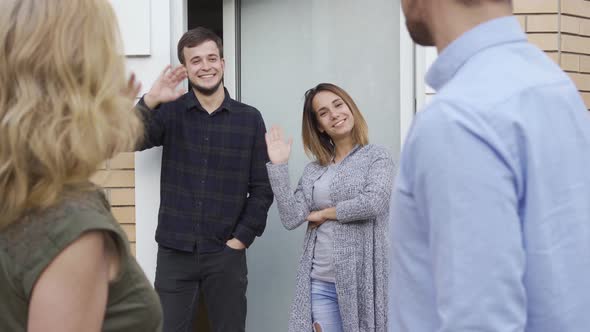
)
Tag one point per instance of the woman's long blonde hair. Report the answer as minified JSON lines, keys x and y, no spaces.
{"x":62,"y":107}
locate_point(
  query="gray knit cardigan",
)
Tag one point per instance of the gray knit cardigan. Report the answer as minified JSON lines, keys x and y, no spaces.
{"x":361,"y":190}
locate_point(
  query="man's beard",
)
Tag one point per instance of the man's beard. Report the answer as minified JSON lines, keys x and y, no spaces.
{"x":420,"y":33}
{"x":204,"y":90}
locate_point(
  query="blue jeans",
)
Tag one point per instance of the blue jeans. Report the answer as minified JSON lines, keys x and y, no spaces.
{"x":325,"y":312}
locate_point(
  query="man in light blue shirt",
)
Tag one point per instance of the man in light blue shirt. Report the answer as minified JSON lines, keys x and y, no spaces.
{"x":490,"y":223}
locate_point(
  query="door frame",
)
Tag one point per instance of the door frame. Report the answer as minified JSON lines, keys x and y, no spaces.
{"x":408,"y":93}
{"x":179,"y":25}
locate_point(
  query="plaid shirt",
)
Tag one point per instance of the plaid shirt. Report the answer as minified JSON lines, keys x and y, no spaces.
{"x":214,"y":184}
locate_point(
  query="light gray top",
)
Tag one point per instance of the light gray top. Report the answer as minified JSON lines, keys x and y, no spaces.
{"x":322,"y":267}
{"x":361,"y":189}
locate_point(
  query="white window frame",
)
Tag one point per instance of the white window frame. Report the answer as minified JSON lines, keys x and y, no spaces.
{"x":408,"y":94}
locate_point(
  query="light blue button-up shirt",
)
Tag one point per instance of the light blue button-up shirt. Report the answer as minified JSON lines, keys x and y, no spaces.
{"x":490,"y":226}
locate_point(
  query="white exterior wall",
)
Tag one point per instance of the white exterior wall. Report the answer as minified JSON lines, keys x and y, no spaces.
{"x":146,"y":28}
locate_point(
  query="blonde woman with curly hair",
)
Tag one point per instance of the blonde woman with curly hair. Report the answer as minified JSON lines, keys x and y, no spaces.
{"x":65,"y":106}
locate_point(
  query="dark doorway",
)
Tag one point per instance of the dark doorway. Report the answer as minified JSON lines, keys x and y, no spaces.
{"x":208,"y":14}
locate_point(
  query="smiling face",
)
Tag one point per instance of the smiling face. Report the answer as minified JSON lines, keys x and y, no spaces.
{"x":205,"y":67}
{"x":330,"y":117}
{"x":333,"y":115}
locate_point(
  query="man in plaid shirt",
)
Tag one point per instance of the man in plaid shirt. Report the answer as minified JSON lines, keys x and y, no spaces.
{"x":214,"y":194}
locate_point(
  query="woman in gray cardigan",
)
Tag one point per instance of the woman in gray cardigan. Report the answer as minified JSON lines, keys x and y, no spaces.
{"x":343,"y":196}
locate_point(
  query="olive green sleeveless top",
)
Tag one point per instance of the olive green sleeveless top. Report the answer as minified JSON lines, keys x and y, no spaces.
{"x":29,"y":245}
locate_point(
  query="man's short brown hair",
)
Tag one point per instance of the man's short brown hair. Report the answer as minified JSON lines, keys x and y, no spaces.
{"x":195,"y":37}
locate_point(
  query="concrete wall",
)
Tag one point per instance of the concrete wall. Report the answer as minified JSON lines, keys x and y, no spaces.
{"x":287,"y":48}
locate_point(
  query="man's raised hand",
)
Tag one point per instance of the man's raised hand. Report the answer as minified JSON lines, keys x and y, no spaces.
{"x":165,"y":87}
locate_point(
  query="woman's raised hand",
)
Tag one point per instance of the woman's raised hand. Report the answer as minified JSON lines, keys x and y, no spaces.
{"x":278,"y":148}
{"x":133,"y":87}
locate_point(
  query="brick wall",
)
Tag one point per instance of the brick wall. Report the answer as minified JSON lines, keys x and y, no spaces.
{"x":117,"y":176}
{"x":562,"y":29}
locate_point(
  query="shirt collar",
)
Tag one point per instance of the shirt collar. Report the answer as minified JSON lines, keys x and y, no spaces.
{"x":498,"y":31}
{"x":191,"y":101}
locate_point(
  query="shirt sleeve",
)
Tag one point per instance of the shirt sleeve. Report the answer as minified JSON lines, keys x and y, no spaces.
{"x":65,"y":232}
{"x":374,"y":197}
{"x":154,"y":124}
{"x":465,"y":187}
{"x":292,"y":206}
{"x":252,"y":221}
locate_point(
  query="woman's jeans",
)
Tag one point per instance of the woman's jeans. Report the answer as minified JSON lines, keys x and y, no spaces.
{"x":325,"y":312}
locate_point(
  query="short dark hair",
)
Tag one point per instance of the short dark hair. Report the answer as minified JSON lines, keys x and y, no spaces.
{"x":195,"y":37}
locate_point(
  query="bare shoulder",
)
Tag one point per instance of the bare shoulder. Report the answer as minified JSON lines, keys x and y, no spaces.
{"x":71,"y":292}
{"x":89,"y":252}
